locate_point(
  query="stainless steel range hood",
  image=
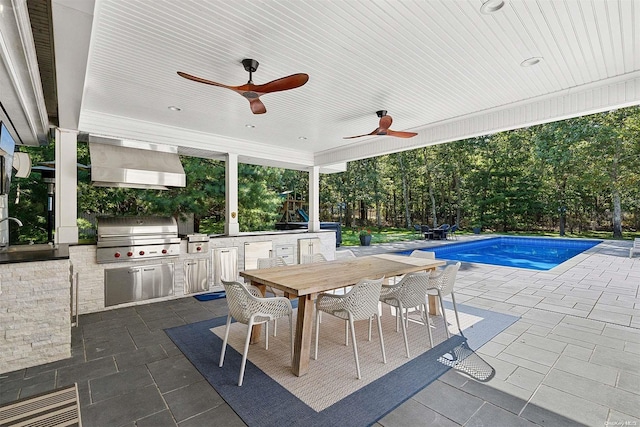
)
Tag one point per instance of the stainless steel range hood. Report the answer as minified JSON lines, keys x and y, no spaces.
{"x":134,"y":164}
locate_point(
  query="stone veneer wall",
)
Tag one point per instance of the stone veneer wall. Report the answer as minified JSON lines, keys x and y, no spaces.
{"x":35,"y":317}
{"x":91,"y":274}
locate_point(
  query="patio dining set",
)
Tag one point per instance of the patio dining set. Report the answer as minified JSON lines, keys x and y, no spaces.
{"x":442,"y":232}
{"x":340,"y":288}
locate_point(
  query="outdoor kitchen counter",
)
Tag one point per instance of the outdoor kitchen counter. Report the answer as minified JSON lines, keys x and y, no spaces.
{"x":270,"y":232}
{"x":31,"y":253}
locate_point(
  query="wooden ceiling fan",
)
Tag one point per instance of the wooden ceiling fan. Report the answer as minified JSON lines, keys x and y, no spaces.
{"x":383,"y":128}
{"x":253,"y":92}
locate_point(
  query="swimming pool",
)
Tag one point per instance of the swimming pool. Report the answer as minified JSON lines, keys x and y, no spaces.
{"x":522,"y":252}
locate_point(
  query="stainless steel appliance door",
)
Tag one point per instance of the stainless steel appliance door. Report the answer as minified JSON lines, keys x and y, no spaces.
{"x":157,"y":281}
{"x":128,"y":284}
{"x":196,"y":275}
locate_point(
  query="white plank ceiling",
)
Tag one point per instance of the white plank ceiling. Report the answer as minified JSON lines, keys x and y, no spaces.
{"x":439,"y":67}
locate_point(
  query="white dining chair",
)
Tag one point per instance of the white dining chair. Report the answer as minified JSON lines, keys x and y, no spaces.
{"x":246,"y":305}
{"x":277,"y":261}
{"x":345,"y":254}
{"x":441,"y":283}
{"x":312,"y":258}
{"x":360,"y":303}
{"x":410,"y":292}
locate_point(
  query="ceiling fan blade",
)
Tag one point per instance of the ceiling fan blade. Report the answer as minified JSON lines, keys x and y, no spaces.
{"x":385,"y":123}
{"x":375,"y":132}
{"x":400,"y":134}
{"x":257,"y":107}
{"x":290,"y":82}
{"x":205,"y":81}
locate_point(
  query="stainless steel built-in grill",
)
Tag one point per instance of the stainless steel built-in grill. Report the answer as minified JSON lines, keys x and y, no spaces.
{"x":136,"y":238}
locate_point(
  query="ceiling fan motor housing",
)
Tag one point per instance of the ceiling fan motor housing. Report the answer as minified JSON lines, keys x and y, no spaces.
{"x":381,"y":113}
{"x":250,"y":65}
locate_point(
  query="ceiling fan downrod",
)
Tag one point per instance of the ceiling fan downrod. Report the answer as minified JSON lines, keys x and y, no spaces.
{"x":250,"y":65}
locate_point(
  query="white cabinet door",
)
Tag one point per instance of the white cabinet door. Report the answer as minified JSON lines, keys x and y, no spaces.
{"x":308,"y":246}
{"x":225,"y":265}
{"x":255,"y":250}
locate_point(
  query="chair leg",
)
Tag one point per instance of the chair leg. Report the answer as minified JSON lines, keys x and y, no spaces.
{"x":266,"y":335}
{"x":455,"y":309}
{"x":404,"y":332}
{"x":355,"y":345}
{"x":245,"y":353}
{"x":346,"y":333}
{"x":425,"y":317}
{"x":444,"y":314}
{"x":291,"y":335}
{"x":275,"y":321}
{"x":384,"y":355}
{"x":224,"y":341}
{"x":318,"y":312}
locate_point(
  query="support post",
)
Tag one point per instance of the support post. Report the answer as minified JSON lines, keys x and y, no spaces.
{"x":65,"y":201}
{"x":231,"y":225}
{"x":314,"y":199}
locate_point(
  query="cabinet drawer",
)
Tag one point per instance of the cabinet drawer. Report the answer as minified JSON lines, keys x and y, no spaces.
{"x":284,"y":250}
{"x":289,"y":259}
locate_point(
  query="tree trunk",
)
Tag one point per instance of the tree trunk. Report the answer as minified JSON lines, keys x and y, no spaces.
{"x":434,"y":215}
{"x":617,"y":214}
{"x":405,"y":190}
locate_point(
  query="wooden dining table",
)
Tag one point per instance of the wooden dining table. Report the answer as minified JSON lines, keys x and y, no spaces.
{"x":306,"y":281}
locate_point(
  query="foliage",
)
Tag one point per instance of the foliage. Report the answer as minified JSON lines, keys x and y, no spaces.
{"x":582,"y":173}
{"x":364,"y":232}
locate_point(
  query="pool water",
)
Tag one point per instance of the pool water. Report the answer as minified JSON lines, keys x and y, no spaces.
{"x":522,"y":252}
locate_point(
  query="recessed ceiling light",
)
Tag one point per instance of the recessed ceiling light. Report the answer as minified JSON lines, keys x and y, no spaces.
{"x":491,"y":6}
{"x":302,"y":138}
{"x":531,"y":61}
{"x":174,"y":108}
{"x":249,"y":126}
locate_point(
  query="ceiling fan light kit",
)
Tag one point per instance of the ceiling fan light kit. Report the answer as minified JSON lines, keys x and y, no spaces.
{"x":252,"y":92}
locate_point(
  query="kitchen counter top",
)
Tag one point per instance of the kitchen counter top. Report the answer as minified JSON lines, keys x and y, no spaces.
{"x":31,"y":253}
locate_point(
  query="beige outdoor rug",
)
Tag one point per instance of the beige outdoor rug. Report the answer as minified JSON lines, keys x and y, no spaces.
{"x":56,"y":408}
{"x":333,"y":376}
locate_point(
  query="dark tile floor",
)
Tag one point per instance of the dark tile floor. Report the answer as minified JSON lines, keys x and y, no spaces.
{"x":130,"y":373}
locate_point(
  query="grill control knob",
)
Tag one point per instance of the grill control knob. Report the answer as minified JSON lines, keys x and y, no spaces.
{"x":199,"y":248}
{"x":164,"y":251}
{"x":129,"y":253}
{"x":117,"y":255}
{"x":141,"y":253}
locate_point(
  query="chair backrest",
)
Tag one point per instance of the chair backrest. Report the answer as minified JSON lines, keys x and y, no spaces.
{"x":310,"y":259}
{"x":271,"y":262}
{"x":347,"y":253}
{"x":362,"y":299}
{"x":444,"y":279}
{"x":239,"y":301}
{"x":413,"y":289}
{"x":423,"y":254}
{"x":425,"y":228}
{"x":417,"y":227}
{"x":453,"y":228}
{"x":444,"y":227}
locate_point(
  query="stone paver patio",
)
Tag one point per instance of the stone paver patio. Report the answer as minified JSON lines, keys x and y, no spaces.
{"x":575,"y":352}
{"x":572,"y":358}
